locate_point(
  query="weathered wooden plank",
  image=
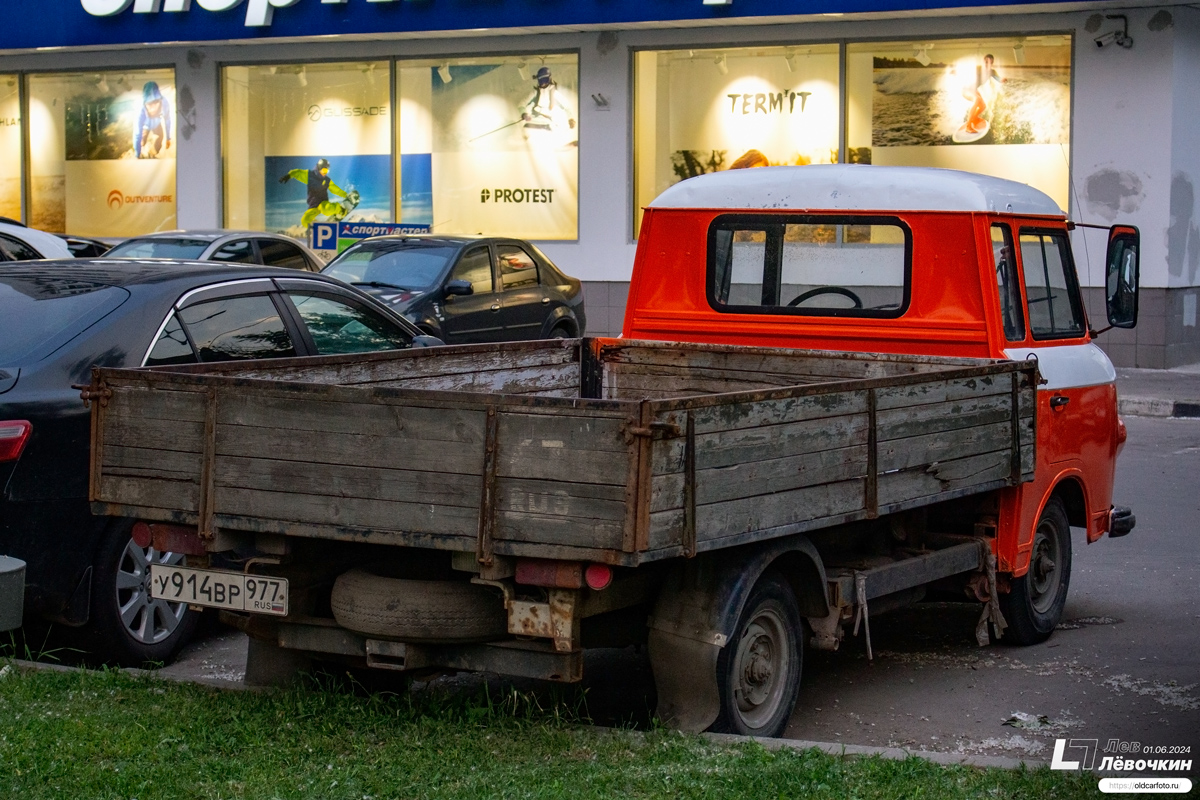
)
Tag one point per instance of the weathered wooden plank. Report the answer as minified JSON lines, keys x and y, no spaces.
{"x":153,"y":434}
{"x":563,"y":447}
{"x":427,"y":486}
{"x":752,"y":444}
{"x":735,"y":416}
{"x":654,"y":387}
{"x":740,"y":379}
{"x":735,"y":517}
{"x":157,"y":493}
{"x":517,"y":526}
{"x":290,"y":413}
{"x":923,"y":450}
{"x":136,"y":462}
{"x":899,"y":423}
{"x":382,"y":515}
{"x":936,"y":391}
{"x":138,"y":402}
{"x":812,"y":364}
{"x":584,"y":501}
{"x":363,"y":450}
{"x":896,"y":487}
{"x":768,"y":476}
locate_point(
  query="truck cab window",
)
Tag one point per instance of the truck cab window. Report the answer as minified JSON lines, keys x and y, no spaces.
{"x":1052,"y":296}
{"x":1008,"y":285}
{"x":832,"y":266}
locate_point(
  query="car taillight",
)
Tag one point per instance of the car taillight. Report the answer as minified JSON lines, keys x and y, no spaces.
{"x":13,"y":435}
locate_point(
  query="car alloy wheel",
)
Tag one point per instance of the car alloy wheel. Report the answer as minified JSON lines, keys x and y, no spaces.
{"x":146,"y":619}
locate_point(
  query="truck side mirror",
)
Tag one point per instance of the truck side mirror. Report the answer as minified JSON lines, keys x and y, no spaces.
{"x":1121,"y":278}
{"x":459,"y":287}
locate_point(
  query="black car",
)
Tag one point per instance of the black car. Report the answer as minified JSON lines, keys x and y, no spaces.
{"x":465,"y":289}
{"x":58,"y":319}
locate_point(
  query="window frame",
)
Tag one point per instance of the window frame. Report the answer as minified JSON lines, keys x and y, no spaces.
{"x":499,"y":269}
{"x":747,"y":220}
{"x":1071,"y":276}
{"x":330,"y":293}
{"x":1017,"y":289}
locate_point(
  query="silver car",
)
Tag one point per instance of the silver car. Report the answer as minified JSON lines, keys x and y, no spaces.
{"x":239,"y":247}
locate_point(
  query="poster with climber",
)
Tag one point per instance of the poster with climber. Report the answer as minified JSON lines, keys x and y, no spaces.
{"x":301,"y":190}
{"x":119,"y":135}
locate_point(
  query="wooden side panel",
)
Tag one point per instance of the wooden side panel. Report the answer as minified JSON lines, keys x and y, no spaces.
{"x":152,"y":446}
{"x":561,"y":479}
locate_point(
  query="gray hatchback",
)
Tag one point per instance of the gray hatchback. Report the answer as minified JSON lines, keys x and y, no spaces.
{"x":237,"y":247}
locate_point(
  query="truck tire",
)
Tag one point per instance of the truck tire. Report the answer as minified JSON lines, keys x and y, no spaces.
{"x":417,"y":611}
{"x":758,"y":670}
{"x":1034,"y":605}
{"x":126,"y":626}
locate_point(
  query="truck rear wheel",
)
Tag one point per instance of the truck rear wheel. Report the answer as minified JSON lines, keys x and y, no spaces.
{"x":1034,"y":605}
{"x":417,"y":611}
{"x":758,"y":670}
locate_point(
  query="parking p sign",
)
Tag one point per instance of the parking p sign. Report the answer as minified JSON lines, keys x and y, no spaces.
{"x":330,"y":238}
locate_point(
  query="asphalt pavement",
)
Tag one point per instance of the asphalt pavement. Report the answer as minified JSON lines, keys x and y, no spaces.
{"x":1125,"y":663}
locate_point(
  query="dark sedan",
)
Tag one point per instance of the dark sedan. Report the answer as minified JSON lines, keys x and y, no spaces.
{"x":465,"y":289}
{"x":58,"y":319}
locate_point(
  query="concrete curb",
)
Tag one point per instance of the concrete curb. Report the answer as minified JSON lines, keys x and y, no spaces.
{"x":891,"y":753}
{"x":1158,"y":407}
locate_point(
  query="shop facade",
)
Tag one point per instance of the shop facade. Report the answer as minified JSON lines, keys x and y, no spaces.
{"x":558,"y":122}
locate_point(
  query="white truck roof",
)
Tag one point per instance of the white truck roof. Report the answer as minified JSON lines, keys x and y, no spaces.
{"x":856,"y":187}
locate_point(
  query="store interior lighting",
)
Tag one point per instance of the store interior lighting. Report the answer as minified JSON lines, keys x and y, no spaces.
{"x":790,"y":58}
{"x":102,"y":85}
{"x":302,"y":76}
{"x":722,"y":66}
{"x":369,"y":71}
{"x":921,"y":54}
{"x":1019,"y":53}
{"x":523,"y":70}
{"x":444,"y":73}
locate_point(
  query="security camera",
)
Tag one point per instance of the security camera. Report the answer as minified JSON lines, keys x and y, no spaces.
{"x":1107,"y":38}
{"x":1120,"y":38}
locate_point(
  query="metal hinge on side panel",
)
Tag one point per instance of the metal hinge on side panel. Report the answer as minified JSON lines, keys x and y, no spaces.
{"x":660,"y":429}
{"x":89,"y":392}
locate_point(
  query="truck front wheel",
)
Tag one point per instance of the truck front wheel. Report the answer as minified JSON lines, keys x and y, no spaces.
{"x":758,"y":670}
{"x":1034,"y":606}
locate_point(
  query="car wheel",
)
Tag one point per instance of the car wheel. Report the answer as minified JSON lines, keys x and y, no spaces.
{"x":1034,"y":605}
{"x":560,"y":332}
{"x":127,"y":626}
{"x":758,"y":670}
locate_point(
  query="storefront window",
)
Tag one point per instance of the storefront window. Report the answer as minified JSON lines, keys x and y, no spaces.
{"x":490,"y":145}
{"x":102,"y":152}
{"x":699,"y":111}
{"x":999,"y":107}
{"x":305,"y":143}
{"x":10,"y":147}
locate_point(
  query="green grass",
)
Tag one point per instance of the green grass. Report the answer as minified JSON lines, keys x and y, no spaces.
{"x":100,"y":735}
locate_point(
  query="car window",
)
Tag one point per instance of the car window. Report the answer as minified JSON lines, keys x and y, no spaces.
{"x":16,"y":250}
{"x":415,"y":266}
{"x":39,"y":313}
{"x":240,"y":251}
{"x":281,"y":254}
{"x":237,"y":328}
{"x":1007,"y":284}
{"x":172,"y":346}
{"x":338,"y":327}
{"x":517,"y":268}
{"x":475,"y":267}
{"x":1051,"y":296}
{"x":159,"y":248}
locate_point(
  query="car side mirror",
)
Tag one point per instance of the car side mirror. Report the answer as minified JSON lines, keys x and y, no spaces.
{"x":427,"y":341}
{"x":1121,"y":277}
{"x":459,"y":287}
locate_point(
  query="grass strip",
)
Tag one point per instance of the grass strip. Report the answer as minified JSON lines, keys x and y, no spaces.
{"x":106,"y":734}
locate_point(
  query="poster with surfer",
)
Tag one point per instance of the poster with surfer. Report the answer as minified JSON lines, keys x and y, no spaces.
{"x":972,"y":97}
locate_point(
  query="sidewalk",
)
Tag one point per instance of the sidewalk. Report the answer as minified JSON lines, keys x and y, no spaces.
{"x":1159,"y":392}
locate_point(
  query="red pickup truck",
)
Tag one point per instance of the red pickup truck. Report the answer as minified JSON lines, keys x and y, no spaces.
{"x":840,"y":389}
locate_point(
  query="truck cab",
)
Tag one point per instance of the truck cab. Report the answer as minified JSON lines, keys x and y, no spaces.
{"x":911,"y":261}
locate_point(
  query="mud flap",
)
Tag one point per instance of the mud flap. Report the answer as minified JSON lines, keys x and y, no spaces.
{"x":685,"y":677}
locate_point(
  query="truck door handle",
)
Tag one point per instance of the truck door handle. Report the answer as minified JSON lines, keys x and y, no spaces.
{"x":1058,"y":401}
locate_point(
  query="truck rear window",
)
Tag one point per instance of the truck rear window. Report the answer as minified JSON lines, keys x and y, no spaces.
{"x":809,"y":265}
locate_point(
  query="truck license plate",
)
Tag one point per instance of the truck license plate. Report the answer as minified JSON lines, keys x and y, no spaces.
{"x":216,"y":589}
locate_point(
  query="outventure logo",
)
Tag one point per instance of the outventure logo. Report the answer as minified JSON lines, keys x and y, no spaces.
{"x":118,"y":199}
{"x":258,"y":12}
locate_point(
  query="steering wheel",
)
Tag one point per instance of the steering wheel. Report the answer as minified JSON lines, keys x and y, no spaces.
{"x":800,"y":298}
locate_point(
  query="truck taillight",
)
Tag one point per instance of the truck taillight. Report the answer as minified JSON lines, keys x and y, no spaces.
{"x":13,"y":435}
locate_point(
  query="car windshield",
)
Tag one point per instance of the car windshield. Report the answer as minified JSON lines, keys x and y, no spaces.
{"x":38,"y":314}
{"x":405,"y":265}
{"x":159,"y":248}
